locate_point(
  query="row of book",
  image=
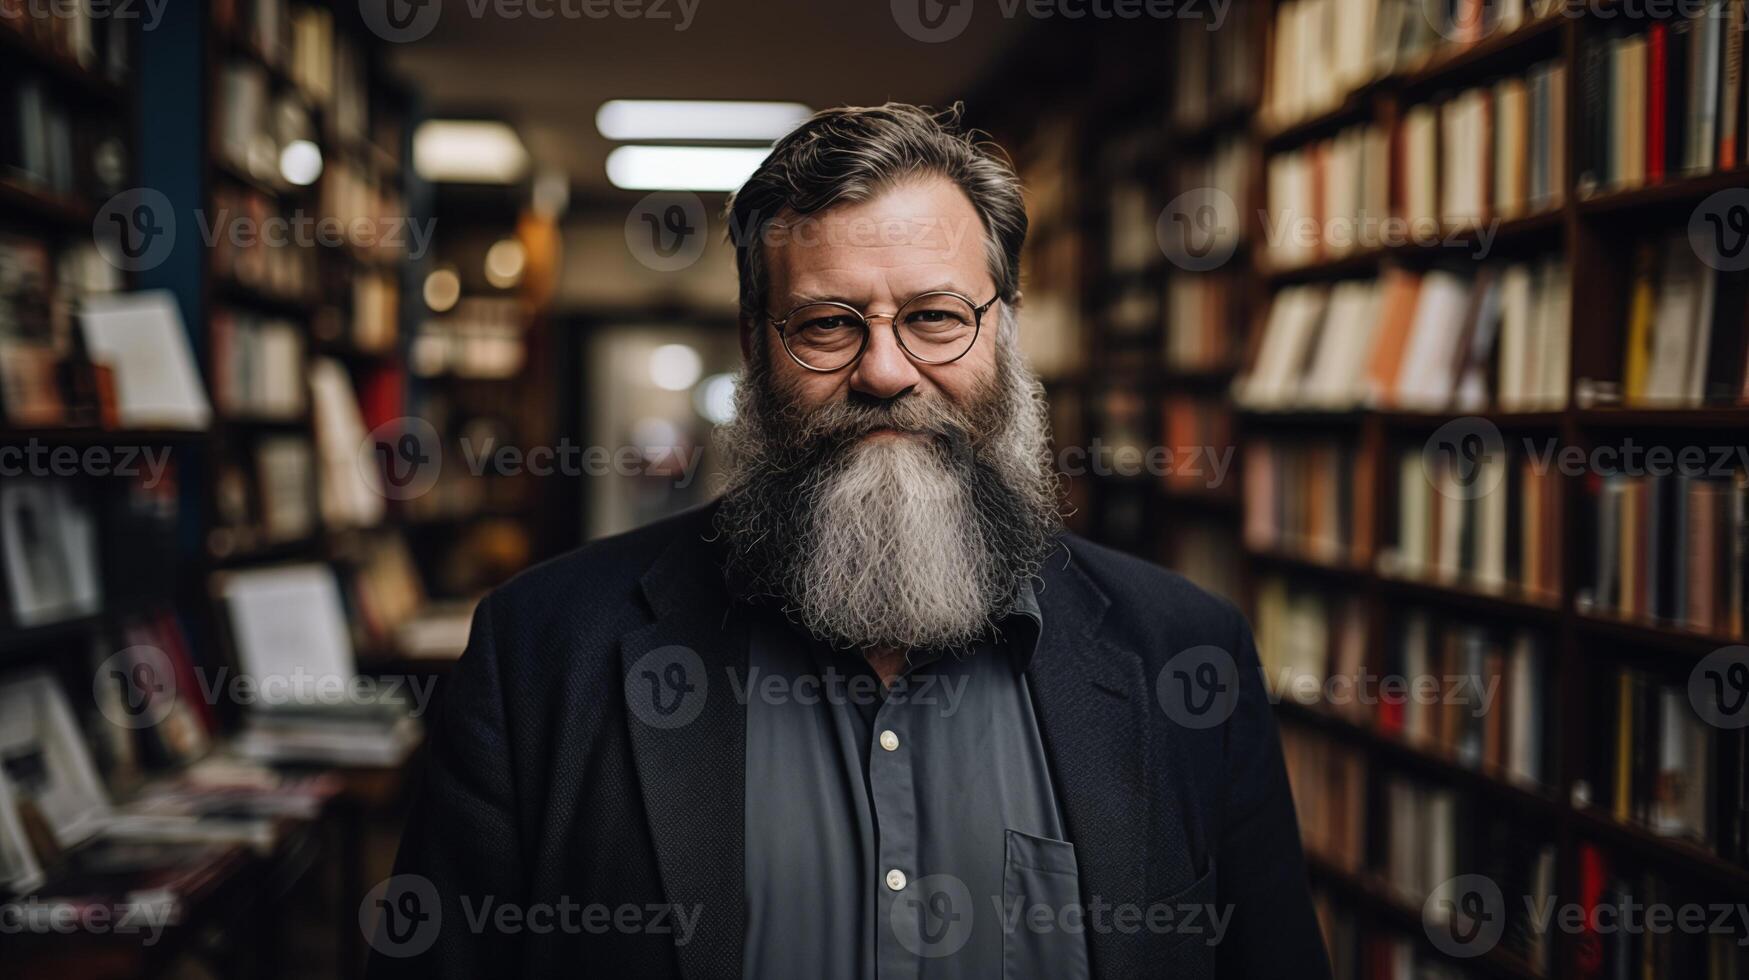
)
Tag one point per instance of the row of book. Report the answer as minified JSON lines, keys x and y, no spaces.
{"x":253,"y":249}
{"x":1685,"y":326}
{"x":1204,"y":315}
{"x":1413,"y":838}
{"x":257,"y":365}
{"x":1308,"y":498}
{"x":1330,"y":197}
{"x":1715,"y":951}
{"x":1491,"y":152}
{"x":1671,"y":548}
{"x":1322,"y":50}
{"x":79,"y":32}
{"x":1494,"y":710}
{"x":1216,"y":71}
{"x":1199,"y":443}
{"x":47,"y":143}
{"x":1422,"y":341}
{"x":1664,"y":768}
{"x":1472,"y":694}
{"x":1488,"y":521}
{"x":1663,"y":100}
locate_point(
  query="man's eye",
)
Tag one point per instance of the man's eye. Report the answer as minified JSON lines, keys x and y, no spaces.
{"x":829,"y":323}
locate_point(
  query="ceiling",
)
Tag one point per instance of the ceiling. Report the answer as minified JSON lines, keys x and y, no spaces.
{"x":548,"y":76}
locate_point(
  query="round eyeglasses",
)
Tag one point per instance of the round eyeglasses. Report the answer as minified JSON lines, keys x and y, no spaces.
{"x":934,"y":328}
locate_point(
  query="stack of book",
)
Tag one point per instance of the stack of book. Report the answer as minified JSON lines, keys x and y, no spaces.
{"x":1310,"y":499}
{"x":1605,"y":886}
{"x":1684,"y":330}
{"x":1671,"y":549}
{"x":1329,"y":784}
{"x":1671,"y":772}
{"x":1493,"y":709}
{"x":1490,"y":522}
{"x":1422,"y":341}
{"x":1329,"y":198}
{"x":1663,"y":101}
{"x":1489,"y":152}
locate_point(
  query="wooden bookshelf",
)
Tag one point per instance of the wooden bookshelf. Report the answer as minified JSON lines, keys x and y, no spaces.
{"x":1595,"y":234}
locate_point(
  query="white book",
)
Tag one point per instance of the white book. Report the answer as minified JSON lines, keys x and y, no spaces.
{"x":1291,"y":329}
{"x":1524,"y":711}
{"x":1412,"y":515}
{"x":1674,"y":323}
{"x":142,"y":338}
{"x":1429,"y":372}
{"x":1515,"y":337}
{"x":1554,"y":305}
{"x":1338,"y":368}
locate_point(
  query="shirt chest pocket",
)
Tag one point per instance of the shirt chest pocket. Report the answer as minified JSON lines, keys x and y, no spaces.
{"x":1044,"y":931}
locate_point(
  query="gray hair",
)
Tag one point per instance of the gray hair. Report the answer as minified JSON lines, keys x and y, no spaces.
{"x":854,"y":153}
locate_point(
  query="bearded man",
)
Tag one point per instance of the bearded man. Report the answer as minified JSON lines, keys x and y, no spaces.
{"x":871,"y":714}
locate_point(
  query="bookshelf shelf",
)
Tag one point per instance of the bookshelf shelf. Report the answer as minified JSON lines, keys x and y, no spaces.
{"x":82,"y":436}
{"x":1290,"y":561}
{"x":1534,"y":41}
{"x":1355,"y":107}
{"x":1353,"y":265}
{"x":1536,"y":803}
{"x":240,"y":294}
{"x":1505,"y":601}
{"x":22,"y":203}
{"x":1694,"y":861}
{"x":1660,"y":637}
{"x":1201,"y":499}
{"x":1665,"y":418}
{"x":1681,"y":192}
{"x":70,"y":77}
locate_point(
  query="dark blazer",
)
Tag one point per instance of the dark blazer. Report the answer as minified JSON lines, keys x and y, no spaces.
{"x":541,"y":788}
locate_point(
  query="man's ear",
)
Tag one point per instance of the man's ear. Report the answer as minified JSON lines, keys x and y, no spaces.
{"x":747,"y":328}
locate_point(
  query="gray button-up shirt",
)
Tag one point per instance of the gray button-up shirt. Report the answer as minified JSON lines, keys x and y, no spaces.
{"x":909,"y":832}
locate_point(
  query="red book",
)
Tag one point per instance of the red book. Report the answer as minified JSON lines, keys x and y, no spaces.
{"x":1656,"y":71}
{"x":1593,"y":881}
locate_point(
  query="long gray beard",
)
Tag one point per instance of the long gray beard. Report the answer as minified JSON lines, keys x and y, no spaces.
{"x":902,"y":543}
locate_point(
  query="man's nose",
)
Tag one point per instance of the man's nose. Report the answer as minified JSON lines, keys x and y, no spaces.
{"x":885,"y":370}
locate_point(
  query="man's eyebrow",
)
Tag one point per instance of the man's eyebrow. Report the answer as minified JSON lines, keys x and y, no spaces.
{"x":803,"y":299}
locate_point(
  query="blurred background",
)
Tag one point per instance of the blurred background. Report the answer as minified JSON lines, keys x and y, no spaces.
{"x":1416,"y":327}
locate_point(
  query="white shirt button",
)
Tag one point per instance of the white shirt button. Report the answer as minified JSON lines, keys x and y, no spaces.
{"x":889,"y":740}
{"x":896,"y":880}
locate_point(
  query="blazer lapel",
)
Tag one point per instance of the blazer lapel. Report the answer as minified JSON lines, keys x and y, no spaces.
{"x":688,"y":736}
{"x":1092,"y":701}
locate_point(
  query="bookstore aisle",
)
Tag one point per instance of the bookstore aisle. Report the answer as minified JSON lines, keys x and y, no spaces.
{"x":1417,"y":328}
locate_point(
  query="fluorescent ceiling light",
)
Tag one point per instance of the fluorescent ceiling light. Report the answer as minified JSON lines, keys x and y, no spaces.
{"x":664,"y":119}
{"x":683,"y":168}
{"x":469,"y":152}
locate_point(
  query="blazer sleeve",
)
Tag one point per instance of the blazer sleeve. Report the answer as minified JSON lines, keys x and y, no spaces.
{"x":459,"y":853}
{"x":1274,"y":932}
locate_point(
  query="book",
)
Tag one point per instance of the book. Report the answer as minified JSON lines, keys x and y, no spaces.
{"x":142,"y":338}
